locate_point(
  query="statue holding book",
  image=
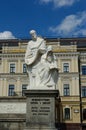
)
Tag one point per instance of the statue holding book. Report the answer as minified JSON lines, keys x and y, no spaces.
{"x":41,"y":64}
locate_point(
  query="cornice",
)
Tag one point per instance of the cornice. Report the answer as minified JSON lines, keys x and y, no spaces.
{"x":67,"y":54}
{"x":69,"y":74}
{"x":68,"y":77}
{"x":12,"y":55}
{"x":10,"y":75}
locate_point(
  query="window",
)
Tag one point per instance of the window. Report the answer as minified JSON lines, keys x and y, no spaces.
{"x":83,"y":91}
{"x":67,"y":113}
{"x":24,"y":68}
{"x":66,"y":67}
{"x":24,"y":87}
{"x":84,"y":114}
{"x":12,"y":68}
{"x":66,"y":90}
{"x":84,"y":70}
{"x":11,"y":90}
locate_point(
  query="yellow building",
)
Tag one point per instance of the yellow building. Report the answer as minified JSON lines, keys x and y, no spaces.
{"x":13,"y":77}
{"x":71,"y":61}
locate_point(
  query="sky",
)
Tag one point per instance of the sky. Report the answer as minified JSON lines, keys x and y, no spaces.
{"x":50,"y":18}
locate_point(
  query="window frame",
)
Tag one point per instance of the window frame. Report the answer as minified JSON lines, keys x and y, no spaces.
{"x":84,"y":114}
{"x":83,"y":70}
{"x":24,"y":85}
{"x":83,"y":91}
{"x":66,"y":89}
{"x":65,"y":67}
{"x":24,"y":68}
{"x":12,"y":69}
{"x":67,"y":115}
{"x":11,"y":90}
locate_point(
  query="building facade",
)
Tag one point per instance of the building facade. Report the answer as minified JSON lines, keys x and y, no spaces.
{"x":71,"y":61}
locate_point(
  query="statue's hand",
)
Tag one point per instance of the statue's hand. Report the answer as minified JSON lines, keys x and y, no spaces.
{"x":52,"y":66}
{"x":49,"y":48}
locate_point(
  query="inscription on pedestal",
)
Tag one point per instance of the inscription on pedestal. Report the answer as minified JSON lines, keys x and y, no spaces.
{"x":40,"y":110}
{"x":42,"y":106}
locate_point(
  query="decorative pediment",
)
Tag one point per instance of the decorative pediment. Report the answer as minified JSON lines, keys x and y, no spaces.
{"x":12,"y":80}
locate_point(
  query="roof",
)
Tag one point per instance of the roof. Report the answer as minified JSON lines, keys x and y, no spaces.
{"x":80,"y":42}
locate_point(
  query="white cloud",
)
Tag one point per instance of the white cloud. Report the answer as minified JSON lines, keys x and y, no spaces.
{"x":80,"y":32}
{"x":71,"y":25}
{"x":60,"y":3}
{"x":45,"y":1}
{"x":6,"y":35}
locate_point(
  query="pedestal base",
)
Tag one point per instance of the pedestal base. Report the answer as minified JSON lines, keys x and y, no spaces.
{"x":40,"y":109}
{"x":41,"y":129}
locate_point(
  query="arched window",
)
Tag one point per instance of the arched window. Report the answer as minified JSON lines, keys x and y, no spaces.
{"x":67,"y":113}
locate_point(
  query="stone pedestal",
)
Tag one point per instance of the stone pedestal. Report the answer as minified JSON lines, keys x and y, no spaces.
{"x":40,"y":113}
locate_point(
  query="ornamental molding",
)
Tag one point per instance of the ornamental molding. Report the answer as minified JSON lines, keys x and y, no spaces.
{"x":15,"y":75}
{"x":12,"y":60}
{"x":12,"y":80}
{"x":12,"y":55}
{"x":67,"y":54}
{"x":70,"y":74}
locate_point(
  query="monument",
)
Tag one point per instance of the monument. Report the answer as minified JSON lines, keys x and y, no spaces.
{"x":41,"y":92}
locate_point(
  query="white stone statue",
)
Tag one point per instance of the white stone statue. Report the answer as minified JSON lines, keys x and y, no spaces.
{"x":41,"y":64}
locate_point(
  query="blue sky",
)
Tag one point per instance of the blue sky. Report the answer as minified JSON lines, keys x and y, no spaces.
{"x":50,"y":18}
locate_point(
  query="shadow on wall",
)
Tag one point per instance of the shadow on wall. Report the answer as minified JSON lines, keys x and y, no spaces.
{"x":69,"y":126}
{"x":61,"y":126}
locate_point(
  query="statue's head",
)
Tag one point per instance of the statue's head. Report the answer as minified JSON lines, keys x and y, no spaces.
{"x":33,"y":35}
